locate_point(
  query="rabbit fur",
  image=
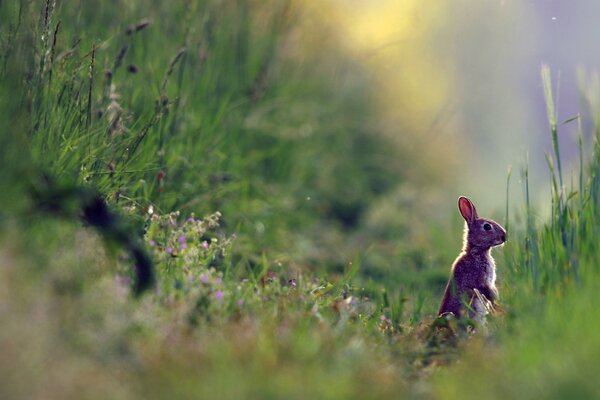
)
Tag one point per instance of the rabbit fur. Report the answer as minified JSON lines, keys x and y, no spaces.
{"x":471,"y":290}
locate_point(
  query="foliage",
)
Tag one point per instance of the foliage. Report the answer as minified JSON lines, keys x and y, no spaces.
{"x":275,"y":294}
{"x":546,"y":346}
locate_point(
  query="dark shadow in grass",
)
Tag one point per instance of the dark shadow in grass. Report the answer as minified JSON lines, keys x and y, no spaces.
{"x":73,"y":202}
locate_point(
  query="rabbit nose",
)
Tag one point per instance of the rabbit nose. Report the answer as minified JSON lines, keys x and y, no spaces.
{"x":503,"y":237}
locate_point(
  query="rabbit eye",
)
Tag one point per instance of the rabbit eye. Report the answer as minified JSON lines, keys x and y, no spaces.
{"x":487,"y":227}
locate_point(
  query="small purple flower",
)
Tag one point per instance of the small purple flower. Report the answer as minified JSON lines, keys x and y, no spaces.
{"x":181,"y":239}
{"x":169,"y":249}
{"x":190,"y":219}
{"x":219,"y":295}
{"x":152,"y":243}
{"x":205,"y":245}
{"x":183,"y":246}
{"x":204,"y":279}
{"x":240,"y":302}
{"x":218,"y":280}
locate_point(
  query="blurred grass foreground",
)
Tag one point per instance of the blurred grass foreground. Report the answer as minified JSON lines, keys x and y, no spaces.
{"x":226,"y":161}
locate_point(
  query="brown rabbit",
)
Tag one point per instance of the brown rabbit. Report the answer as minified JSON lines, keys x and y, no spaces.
{"x":472,"y":285}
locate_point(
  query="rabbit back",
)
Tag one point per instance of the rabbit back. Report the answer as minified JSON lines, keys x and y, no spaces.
{"x":470,"y":272}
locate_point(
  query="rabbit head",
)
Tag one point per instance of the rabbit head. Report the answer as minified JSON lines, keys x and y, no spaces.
{"x":480,"y":233}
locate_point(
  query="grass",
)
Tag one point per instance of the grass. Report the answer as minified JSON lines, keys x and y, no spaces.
{"x":545,"y":344}
{"x":250,"y":174}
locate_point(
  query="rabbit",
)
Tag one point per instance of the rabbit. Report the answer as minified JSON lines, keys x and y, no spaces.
{"x":471,"y":290}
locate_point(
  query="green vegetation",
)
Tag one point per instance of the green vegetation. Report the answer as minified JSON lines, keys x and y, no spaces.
{"x":284,"y":232}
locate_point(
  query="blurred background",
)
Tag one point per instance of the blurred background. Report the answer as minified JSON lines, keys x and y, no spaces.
{"x":324,"y":132}
{"x":464,"y":77}
{"x":334,"y":138}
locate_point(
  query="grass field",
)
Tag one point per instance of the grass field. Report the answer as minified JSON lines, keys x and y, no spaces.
{"x":197,"y":203}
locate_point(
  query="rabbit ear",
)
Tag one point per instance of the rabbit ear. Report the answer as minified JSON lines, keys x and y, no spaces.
{"x":467,"y":209}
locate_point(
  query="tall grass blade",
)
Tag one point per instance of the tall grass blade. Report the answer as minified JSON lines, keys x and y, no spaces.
{"x":552,"y":121}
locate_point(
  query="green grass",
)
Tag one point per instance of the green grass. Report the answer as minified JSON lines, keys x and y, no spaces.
{"x":545,"y":344}
{"x":304,"y":278}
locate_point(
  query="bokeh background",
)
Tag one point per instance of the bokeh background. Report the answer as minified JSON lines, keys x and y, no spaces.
{"x":290,"y":168}
{"x":464,"y":77}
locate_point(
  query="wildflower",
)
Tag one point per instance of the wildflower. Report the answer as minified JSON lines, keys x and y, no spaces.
{"x":152,"y":243}
{"x":169,"y":249}
{"x":204,"y":279}
{"x":218,"y":279}
{"x":181,"y":239}
{"x":183,"y":246}
{"x":205,"y":245}
{"x":191,"y":220}
{"x":219,"y":295}
{"x":240,"y":302}
{"x":292,"y":283}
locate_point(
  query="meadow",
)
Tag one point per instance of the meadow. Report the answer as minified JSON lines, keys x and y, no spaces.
{"x":197,"y":203}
